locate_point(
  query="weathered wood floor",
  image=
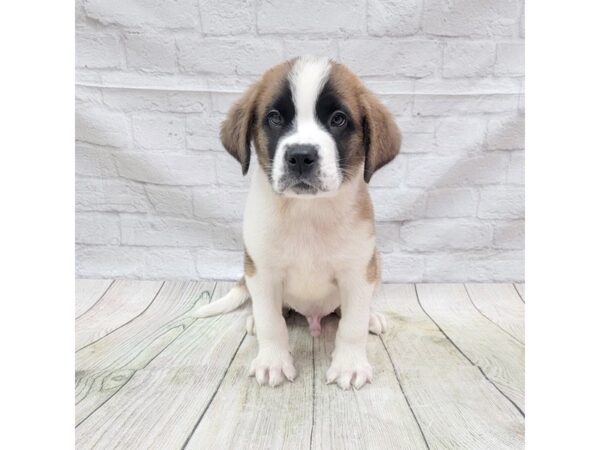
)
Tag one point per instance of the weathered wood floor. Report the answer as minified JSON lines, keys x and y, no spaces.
{"x":449,"y":373}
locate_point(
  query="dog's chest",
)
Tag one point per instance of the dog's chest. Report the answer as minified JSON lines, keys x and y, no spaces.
{"x":311,"y":254}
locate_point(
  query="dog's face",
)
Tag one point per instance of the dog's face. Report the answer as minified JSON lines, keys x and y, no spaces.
{"x":313,"y":126}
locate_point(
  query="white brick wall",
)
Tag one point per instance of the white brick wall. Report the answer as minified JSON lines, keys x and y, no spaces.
{"x":157,"y":196}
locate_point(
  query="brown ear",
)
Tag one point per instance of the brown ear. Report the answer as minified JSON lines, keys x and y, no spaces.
{"x":382,"y":136}
{"x":236,"y":129}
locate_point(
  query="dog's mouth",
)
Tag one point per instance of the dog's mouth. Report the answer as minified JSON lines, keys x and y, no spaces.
{"x":298,"y":187}
{"x":304,"y":188}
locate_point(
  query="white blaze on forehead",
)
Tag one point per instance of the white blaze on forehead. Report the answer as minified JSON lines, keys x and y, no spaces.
{"x":307,"y":78}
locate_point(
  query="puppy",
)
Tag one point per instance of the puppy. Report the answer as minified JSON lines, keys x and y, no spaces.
{"x":318,"y":135}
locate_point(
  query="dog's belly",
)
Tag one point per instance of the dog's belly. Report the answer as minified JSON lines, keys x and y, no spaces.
{"x":313,"y":294}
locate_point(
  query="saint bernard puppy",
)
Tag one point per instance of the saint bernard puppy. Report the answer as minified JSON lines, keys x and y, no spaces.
{"x":318,"y":135}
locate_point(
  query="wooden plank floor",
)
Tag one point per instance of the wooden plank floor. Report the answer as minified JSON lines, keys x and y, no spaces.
{"x":449,"y":372}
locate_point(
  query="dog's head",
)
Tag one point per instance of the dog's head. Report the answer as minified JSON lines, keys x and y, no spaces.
{"x":313,"y":126}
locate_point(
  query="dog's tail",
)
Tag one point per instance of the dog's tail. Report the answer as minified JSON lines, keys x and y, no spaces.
{"x":230,"y":301}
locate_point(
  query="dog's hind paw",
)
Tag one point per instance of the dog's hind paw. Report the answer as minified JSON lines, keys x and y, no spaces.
{"x":377,"y":323}
{"x":250,"y":327}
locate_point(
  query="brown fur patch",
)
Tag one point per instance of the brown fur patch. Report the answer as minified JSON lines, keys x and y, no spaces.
{"x":249,"y":267}
{"x":373,"y":268}
{"x":364,"y":206}
{"x":242,"y":124}
{"x":382,"y":135}
{"x":378,"y":140}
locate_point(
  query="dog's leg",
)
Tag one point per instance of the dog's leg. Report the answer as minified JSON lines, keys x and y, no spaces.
{"x":349,"y":366}
{"x":377,"y":322}
{"x":273,"y":363}
{"x":251,"y":329}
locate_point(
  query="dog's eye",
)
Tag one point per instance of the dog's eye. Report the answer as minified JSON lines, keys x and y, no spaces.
{"x":275,"y":119}
{"x":338,"y":119}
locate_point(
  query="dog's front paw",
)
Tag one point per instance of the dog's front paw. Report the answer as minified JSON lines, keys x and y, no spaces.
{"x":349,"y":368}
{"x":273,"y":368}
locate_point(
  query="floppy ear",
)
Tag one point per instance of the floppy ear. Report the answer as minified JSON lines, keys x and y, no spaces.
{"x":381,"y":134}
{"x":236,"y":129}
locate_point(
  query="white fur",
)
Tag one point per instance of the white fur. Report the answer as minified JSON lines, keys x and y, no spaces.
{"x":307,"y":78}
{"x":312,"y":256}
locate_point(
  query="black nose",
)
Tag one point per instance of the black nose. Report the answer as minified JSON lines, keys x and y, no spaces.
{"x":301,"y":158}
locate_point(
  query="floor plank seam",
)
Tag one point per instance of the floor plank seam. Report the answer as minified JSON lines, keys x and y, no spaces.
{"x":146,"y":365}
{"x":404,"y":393}
{"x":97,"y":301}
{"x":125,"y":323}
{"x":508,"y":333}
{"x":465,"y":356}
{"x":518,"y":293}
{"x":214,"y":393}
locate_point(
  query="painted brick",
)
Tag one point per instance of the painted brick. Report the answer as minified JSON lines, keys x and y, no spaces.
{"x":510,"y":59}
{"x":390,"y":175}
{"x":164,"y":231}
{"x":202,"y":132}
{"x":387,"y":234}
{"x":457,"y":171}
{"x":456,"y":234}
{"x":506,"y":133}
{"x":229,"y":170}
{"x":469,"y":58}
{"x":455,"y":135}
{"x":402,"y":268}
{"x":398,"y":204}
{"x":135,"y":262}
{"x":248,"y":56}
{"x":97,"y":51}
{"x":502,"y":202}
{"x":170,"y":200}
{"x":398,"y":104}
{"x":99,"y":126}
{"x":158,"y":131}
{"x":219,"y":203}
{"x":471,"y":17}
{"x":510,"y":235}
{"x":146,"y":100}
{"x":475,"y":266}
{"x":97,"y":228}
{"x":302,"y":16}
{"x":452,"y":202}
{"x":159,"y":168}
{"x":230,"y":17}
{"x":150,"y":52}
{"x":393,"y":18}
{"x":516,"y":168}
{"x":446,"y":105}
{"x":94,"y":161}
{"x":417,"y":142}
{"x":389,"y":57}
{"x":220,"y":264}
{"x":144,"y":13}
{"x":110,"y":195}
{"x":299,"y":47}
{"x":227,"y":235}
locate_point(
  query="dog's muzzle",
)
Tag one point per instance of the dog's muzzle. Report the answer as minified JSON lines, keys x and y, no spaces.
{"x":301,"y":160}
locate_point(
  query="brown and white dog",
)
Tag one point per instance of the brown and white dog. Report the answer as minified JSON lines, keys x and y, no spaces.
{"x":319,"y":135}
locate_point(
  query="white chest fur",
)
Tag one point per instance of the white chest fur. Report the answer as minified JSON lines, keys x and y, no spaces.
{"x":307,"y":242}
